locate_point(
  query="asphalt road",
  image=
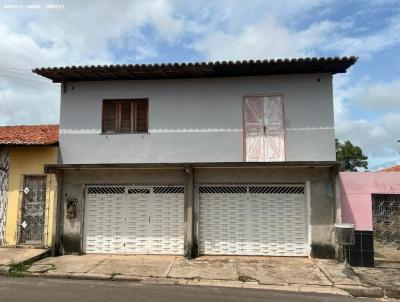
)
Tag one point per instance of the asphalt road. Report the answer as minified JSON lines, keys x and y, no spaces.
{"x":43,"y":290}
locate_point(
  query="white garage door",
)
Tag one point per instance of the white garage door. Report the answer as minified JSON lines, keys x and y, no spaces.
{"x":253,"y":220}
{"x":134,"y":220}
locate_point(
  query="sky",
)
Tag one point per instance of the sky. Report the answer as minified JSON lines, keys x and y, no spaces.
{"x":366,"y":98}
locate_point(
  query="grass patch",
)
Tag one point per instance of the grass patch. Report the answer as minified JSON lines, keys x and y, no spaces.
{"x":18,"y":269}
{"x":244,"y":278}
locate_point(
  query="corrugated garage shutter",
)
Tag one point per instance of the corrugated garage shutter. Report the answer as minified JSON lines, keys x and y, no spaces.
{"x":105,"y":220}
{"x":134,"y":220}
{"x":253,"y":220}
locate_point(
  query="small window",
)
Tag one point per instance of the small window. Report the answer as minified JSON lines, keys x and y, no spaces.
{"x":125,"y":116}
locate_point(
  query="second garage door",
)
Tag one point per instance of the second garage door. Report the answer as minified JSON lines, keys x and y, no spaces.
{"x":134,"y":220}
{"x":253,"y":220}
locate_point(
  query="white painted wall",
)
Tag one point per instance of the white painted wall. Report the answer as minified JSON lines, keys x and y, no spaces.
{"x":195,"y":120}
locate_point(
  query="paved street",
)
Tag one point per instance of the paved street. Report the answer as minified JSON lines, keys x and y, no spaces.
{"x":43,"y":290}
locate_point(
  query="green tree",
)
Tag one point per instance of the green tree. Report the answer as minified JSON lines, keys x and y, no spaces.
{"x":351,"y":155}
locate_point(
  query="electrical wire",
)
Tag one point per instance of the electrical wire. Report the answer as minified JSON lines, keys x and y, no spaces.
{"x":7,"y":107}
{"x":22,"y":79}
{"x":20,"y":73}
{"x":15,"y":68}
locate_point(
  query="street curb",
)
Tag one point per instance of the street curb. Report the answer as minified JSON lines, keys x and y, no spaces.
{"x":361,"y":291}
{"x":89,"y":276}
{"x":126,"y":278}
{"x":353,"y":290}
{"x":56,"y":275}
{"x":167,"y":281}
{"x":4,"y":270}
{"x":392,"y":293}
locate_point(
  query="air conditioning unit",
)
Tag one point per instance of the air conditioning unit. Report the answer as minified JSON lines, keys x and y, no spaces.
{"x":344,"y":233}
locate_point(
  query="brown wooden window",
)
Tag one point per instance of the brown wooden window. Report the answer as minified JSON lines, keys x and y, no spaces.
{"x":125,"y":116}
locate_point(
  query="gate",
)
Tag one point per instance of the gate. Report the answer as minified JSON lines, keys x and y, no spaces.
{"x":31,"y":227}
{"x":253,"y":219}
{"x":136,"y":219}
{"x":386,"y":225}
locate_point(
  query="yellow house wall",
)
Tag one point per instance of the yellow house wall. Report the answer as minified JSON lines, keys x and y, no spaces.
{"x":29,"y":161}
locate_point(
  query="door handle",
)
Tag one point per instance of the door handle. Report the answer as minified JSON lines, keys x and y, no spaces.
{"x":149,"y":219}
{"x":265,"y":129}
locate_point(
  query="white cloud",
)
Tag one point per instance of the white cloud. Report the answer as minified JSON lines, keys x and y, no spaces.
{"x":378,"y":132}
{"x":380,"y":95}
{"x":268,"y":38}
{"x":271,"y":32}
{"x":86,"y":28}
{"x":377,"y":136}
{"x":366,"y":45}
{"x":30,"y":103}
{"x":81,"y":33}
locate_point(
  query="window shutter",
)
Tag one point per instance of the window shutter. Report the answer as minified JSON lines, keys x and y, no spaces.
{"x":274,"y":131}
{"x":142,"y":108}
{"x":126,"y":122}
{"x":253,"y":128}
{"x":109,"y":116}
{"x":125,"y":116}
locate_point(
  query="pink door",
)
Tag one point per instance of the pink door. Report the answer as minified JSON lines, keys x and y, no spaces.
{"x":263,"y":128}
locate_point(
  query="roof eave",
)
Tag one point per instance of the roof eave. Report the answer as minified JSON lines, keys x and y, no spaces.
{"x":52,"y":168}
{"x":29,"y":144}
{"x":197,"y":70}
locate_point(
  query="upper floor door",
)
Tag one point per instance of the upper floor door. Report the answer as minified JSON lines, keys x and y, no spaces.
{"x":264,"y":135}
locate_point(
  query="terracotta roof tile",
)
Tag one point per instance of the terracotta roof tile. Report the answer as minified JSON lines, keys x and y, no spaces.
{"x":29,"y":135}
{"x":391,"y":169}
{"x":197,"y":69}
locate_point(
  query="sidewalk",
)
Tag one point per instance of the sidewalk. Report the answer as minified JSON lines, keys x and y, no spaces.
{"x":14,"y":255}
{"x":279,"y":273}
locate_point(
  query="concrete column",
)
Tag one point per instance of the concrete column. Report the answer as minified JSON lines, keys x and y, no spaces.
{"x":188,"y":212}
{"x":58,"y":216}
{"x":338,"y":206}
{"x":196,"y":210}
{"x":307,"y":193}
{"x":337,"y":211}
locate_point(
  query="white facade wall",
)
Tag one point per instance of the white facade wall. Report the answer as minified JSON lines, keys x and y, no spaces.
{"x":195,"y":120}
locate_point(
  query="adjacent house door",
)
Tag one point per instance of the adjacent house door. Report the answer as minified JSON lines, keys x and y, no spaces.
{"x":32,"y":210}
{"x":263,"y":128}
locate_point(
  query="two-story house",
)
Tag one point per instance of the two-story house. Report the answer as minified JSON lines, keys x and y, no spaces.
{"x":219,"y":158}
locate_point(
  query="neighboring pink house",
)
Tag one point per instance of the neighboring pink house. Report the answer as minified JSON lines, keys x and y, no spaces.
{"x":371,"y":201}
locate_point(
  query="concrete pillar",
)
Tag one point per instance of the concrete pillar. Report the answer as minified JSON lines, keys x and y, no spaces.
{"x":307,"y":193}
{"x":196,"y":210}
{"x":338,"y":207}
{"x":188,"y":211}
{"x":58,"y":216}
{"x":339,"y":251}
